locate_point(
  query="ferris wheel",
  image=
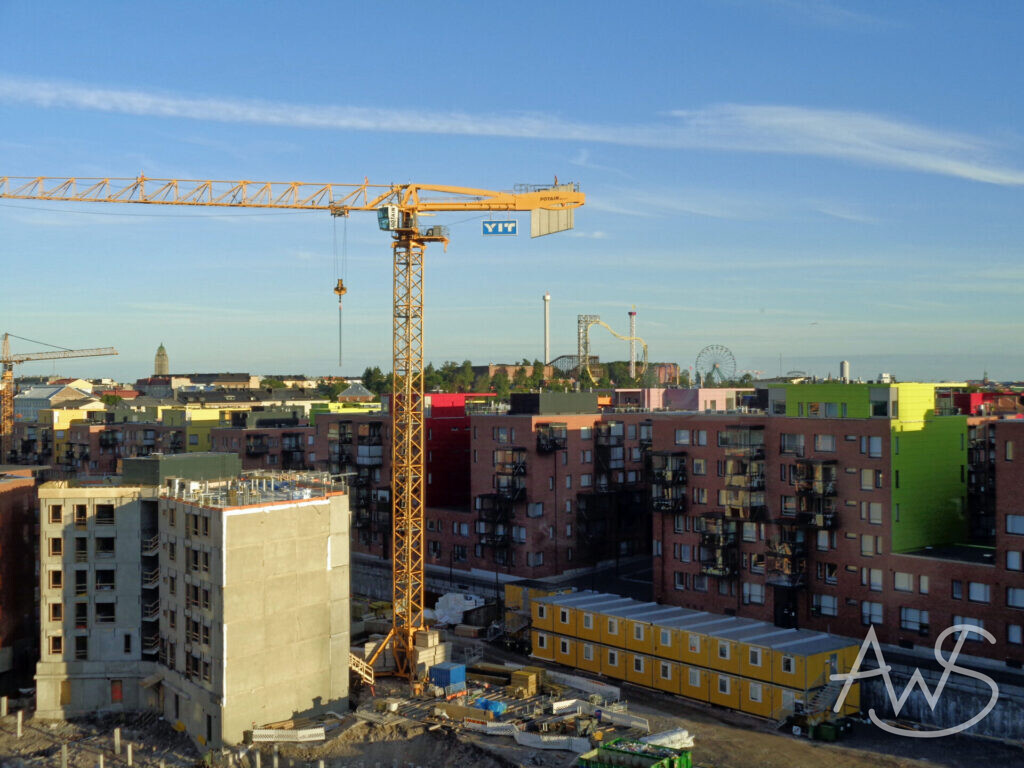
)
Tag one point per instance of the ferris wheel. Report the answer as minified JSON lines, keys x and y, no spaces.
{"x":715,"y":364}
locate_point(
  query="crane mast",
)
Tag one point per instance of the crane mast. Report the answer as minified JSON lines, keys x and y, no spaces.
{"x":398,"y":207}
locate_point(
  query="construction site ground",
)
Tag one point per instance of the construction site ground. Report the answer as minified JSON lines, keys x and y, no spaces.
{"x":411,"y":736}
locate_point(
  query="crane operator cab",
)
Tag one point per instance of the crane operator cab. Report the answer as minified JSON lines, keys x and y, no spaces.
{"x":389,"y":217}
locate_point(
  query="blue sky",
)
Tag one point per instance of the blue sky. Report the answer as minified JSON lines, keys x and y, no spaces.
{"x":802,"y":182}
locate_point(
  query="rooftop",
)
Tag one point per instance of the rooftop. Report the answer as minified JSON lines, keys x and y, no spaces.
{"x":964,"y":553}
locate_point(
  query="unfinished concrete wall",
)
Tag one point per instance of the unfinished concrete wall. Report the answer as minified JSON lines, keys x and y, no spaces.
{"x":286,"y":612}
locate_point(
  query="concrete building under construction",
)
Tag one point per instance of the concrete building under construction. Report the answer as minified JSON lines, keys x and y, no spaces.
{"x":219,"y":599}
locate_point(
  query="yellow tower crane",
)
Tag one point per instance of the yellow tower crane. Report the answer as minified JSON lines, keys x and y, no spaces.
{"x":7,"y":383}
{"x":398,"y":207}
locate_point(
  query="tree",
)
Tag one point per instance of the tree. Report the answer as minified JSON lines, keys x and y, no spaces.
{"x":520,"y":381}
{"x":432,"y":378}
{"x":537,"y":377}
{"x":448,"y":371}
{"x":111,"y":399}
{"x":272,"y":383}
{"x":482,"y":383}
{"x":464,"y":377}
{"x":501,"y":384}
{"x":375,"y":380}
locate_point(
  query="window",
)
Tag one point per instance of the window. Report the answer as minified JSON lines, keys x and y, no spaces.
{"x":56,"y":611}
{"x":535,"y":509}
{"x":105,"y":613}
{"x":586,"y":457}
{"x":682,"y":437}
{"x":586,"y":433}
{"x":867,"y":545}
{"x":586,"y":480}
{"x":788,"y":505}
{"x":724,"y":649}
{"x":613,"y":658}
{"x":1008,"y":450}
{"x":825,"y":443}
{"x":105,"y":546}
{"x":81,"y":647}
{"x":56,"y":644}
{"x":56,"y":514}
{"x":534,"y":559}
{"x":1015,"y":597}
{"x":613,"y":626}
{"x":914,"y":620}
{"x":542,"y":640}
{"x":700,"y":466}
{"x":693,"y":643}
{"x":638,"y":632}
{"x":823,"y":541}
{"x":568,"y":481}
{"x":588,"y":621}
{"x":680,"y":580}
{"x":563,"y":615}
{"x":563,"y":646}
{"x":638,"y":664}
{"x":903,"y":582}
{"x":875,"y":447}
{"x":972,"y":623}
{"x":977,"y":592}
{"x":788,"y":665}
{"x":104,"y":514}
{"x":56,"y":547}
{"x":753,"y":593}
{"x":867,"y":479}
{"x":1015,"y":524}
{"x":755,"y":692}
{"x":700,"y":495}
{"x":957,"y":589}
{"x":870,"y":613}
{"x":588,"y":652}
{"x":825,"y":605}
{"x":700,"y":437}
{"x":750,"y":531}
{"x":128,"y":643}
{"x":922,"y":585}
{"x":694,"y":678}
{"x":755,"y":657}
{"x":542,"y":611}
{"x":723,"y":684}
{"x":56,"y":579}
{"x":666,"y":637}
{"x":666,"y":671}
{"x":872,"y":578}
{"x":1013,"y":561}
{"x":700,"y":583}
{"x":1013,"y":634}
{"x":790,"y":443}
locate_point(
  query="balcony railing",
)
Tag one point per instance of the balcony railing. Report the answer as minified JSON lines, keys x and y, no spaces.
{"x":151,"y":546}
{"x":151,"y":645}
{"x":151,"y":611}
{"x":151,"y":579}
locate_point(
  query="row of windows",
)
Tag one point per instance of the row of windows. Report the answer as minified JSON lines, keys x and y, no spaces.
{"x":724,"y":652}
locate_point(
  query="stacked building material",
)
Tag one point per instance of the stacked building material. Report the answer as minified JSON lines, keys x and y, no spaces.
{"x":428,"y":651}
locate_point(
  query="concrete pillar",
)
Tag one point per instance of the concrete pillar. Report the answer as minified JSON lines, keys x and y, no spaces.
{"x":129,"y":754}
{"x":100,"y":763}
{"x":63,"y":756}
{"x":258,"y":765}
{"x":117,"y":741}
{"x":3,"y":706}
{"x":21,"y":715}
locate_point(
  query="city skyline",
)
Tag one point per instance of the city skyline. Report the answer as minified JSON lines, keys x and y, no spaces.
{"x":815,"y":181}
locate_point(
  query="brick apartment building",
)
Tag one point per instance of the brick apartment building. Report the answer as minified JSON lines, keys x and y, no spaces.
{"x":18,"y":640}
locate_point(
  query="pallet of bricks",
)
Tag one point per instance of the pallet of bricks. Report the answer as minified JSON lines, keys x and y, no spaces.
{"x":428,"y":651}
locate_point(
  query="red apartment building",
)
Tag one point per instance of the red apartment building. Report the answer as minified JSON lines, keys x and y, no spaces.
{"x":18,"y":636}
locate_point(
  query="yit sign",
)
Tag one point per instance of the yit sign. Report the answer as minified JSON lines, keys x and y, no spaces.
{"x":508,"y":227}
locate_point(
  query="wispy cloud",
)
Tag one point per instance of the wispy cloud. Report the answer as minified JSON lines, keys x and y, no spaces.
{"x":793,"y":130}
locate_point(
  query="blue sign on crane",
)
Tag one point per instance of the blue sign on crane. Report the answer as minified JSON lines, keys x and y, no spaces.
{"x":508,"y":227}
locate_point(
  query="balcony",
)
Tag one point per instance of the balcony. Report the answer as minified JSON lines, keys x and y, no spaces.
{"x":609,"y":434}
{"x":151,"y":645}
{"x":786,"y":562}
{"x":668,"y":499}
{"x":151,"y":546}
{"x":256,"y":448}
{"x":151,"y":579}
{"x":151,"y":611}
{"x":551,"y":438}
{"x":667,"y":468}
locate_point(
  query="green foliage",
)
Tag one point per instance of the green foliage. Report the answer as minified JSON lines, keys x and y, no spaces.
{"x":111,"y":399}
{"x":501,"y":385}
{"x":375,"y":381}
{"x":482,"y":383}
{"x":520,"y":381}
{"x":270,"y":383}
{"x":537,"y":377}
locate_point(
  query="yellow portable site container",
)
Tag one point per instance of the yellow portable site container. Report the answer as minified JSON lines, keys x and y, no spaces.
{"x":613,"y":663}
{"x":724,"y":690}
{"x":640,"y":669}
{"x":588,"y":657}
{"x":666,"y":675}
{"x":566,"y":650}
{"x":542,"y":644}
{"x":694,"y":682}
